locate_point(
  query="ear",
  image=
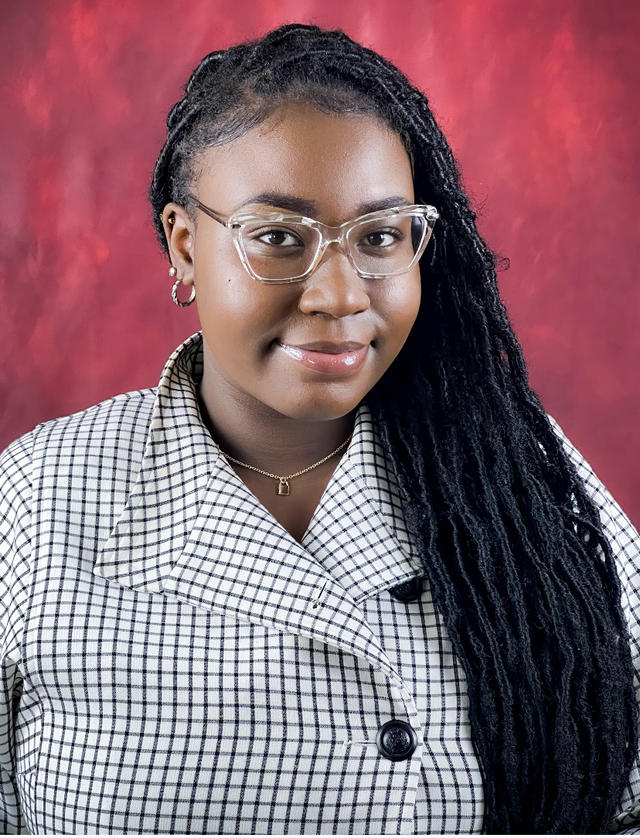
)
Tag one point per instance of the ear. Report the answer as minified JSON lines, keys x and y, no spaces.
{"x":178,"y":228}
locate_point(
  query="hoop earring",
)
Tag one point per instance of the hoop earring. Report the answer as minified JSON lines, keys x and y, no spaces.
{"x":174,"y":294}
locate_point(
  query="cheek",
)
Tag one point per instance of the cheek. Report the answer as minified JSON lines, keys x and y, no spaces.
{"x":399,"y":308}
{"x":239,"y":315}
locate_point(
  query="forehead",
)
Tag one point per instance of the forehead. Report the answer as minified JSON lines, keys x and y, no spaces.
{"x":336,"y":161}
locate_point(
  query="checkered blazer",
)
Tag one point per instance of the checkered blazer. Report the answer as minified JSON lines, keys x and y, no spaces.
{"x":173,"y":661}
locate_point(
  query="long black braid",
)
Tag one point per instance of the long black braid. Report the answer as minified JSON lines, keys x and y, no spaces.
{"x":513,"y":547}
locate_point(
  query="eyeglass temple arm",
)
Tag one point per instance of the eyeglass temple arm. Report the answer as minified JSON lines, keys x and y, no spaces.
{"x":219,"y":218}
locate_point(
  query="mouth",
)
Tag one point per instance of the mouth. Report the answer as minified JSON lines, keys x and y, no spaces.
{"x":332,"y":362}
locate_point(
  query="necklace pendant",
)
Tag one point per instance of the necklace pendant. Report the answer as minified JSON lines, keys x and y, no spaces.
{"x":283,"y":486}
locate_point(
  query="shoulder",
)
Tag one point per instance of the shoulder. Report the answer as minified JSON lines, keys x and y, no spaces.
{"x":58,"y":459}
{"x":15,"y":543}
{"x":584,"y":469}
{"x":613,"y":518}
{"x":112,"y":430}
{"x":618,"y":529}
{"x":113,"y":419}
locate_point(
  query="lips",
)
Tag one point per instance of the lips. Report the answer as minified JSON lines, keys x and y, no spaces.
{"x":328,"y":347}
{"x":334,"y":361}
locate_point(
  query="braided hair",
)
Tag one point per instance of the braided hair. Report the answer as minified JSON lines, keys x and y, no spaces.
{"x":512,"y":545}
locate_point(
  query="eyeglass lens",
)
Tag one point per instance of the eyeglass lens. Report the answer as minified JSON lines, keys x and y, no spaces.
{"x":284,"y":250}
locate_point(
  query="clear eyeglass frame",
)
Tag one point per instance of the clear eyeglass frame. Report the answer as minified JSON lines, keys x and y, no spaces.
{"x":328,"y":235}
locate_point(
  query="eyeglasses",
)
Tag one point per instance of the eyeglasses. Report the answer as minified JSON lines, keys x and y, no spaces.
{"x":282,"y":247}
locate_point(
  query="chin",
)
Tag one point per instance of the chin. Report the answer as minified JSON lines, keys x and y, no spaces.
{"x":314,"y":409}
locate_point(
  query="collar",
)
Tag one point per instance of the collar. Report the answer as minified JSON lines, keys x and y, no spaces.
{"x":192,"y":530}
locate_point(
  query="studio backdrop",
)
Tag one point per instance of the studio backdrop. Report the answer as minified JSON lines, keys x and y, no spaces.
{"x":538,"y":100}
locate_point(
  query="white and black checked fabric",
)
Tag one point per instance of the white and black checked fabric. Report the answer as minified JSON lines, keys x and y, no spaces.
{"x":174,"y":661}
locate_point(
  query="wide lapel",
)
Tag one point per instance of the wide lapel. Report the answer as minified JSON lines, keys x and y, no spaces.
{"x":179,"y":459}
{"x":239,"y":560}
{"x":192,"y":530}
{"x":358,"y":532}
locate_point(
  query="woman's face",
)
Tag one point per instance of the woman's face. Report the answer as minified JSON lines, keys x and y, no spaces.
{"x":336,"y":164}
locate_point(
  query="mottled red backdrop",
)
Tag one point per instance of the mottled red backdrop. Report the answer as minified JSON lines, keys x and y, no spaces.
{"x":538,"y":99}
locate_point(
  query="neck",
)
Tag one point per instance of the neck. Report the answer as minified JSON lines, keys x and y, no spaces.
{"x":260,"y":436}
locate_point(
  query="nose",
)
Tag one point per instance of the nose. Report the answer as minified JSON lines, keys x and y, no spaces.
{"x":334,"y":287}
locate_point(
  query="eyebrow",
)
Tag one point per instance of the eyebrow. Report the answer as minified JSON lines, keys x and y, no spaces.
{"x":284,"y":200}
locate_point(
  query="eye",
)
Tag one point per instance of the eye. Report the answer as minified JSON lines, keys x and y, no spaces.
{"x":277,"y":237}
{"x":382,"y":238}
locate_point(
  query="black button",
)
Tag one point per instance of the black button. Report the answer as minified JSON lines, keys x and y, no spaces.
{"x":409,"y":590}
{"x":396,"y":740}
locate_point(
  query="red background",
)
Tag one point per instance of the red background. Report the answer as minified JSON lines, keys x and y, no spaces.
{"x":538,"y":100}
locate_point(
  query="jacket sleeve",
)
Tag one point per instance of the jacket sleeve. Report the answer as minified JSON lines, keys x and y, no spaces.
{"x":625,"y":544}
{"x":15,"y":550}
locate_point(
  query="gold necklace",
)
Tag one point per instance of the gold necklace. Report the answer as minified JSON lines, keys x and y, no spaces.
{"x":282,"y":487}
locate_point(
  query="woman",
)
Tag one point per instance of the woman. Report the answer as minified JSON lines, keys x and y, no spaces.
{"x":339,"y":572}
